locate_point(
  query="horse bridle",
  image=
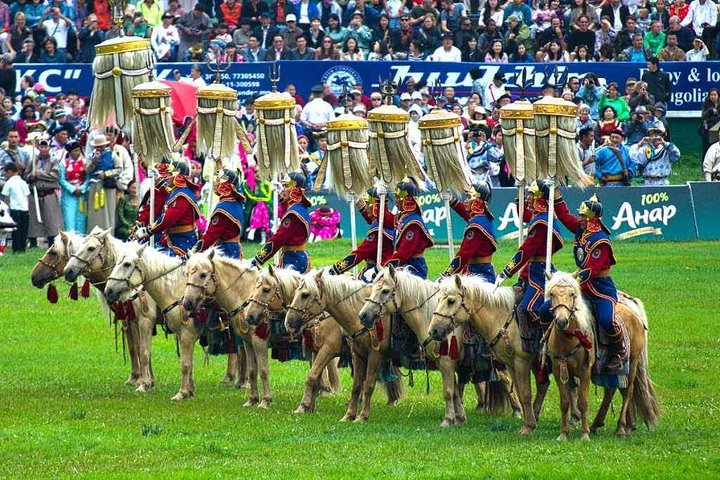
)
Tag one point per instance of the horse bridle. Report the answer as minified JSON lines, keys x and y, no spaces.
{"x":204,"y":288}
{"x":572,"y":309}
{"x":86,"y":263}
{"x":451,"y":317}
{"x":304,"y":311}
{"x":277,"y":294}
{"x":52,"y":266}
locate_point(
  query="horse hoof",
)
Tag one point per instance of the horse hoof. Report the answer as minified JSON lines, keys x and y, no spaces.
{"x":265,"y":404}
{"x":517,"y":413}
{"x":142,"y":388}
{"x":251,"y":402}
{"x":460,"y":420}
{"x":594,"y":428}
{"x":132,"y":380}
{"x":243,"y":385}
{"x":227,"y":379}
{"x":621,"y":432}
{"x":525,"y":431}
{"x":562,"y":437}
{"x":347,"y":418}
{"x":584,"y":437}
{"x":301,"y":409}
{"x":447,"y":422}
{"x":361,"y":419}
{"x":180,"y":396}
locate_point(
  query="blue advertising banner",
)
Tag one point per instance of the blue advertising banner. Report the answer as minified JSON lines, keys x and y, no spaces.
{"x":690,"y":80}
{"x":647,"y":213}
{"x":706,"y":204}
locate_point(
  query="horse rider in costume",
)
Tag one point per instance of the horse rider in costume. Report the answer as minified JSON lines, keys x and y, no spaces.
{"x":532,"y":252}
{"x":478,"y":244}
{"x":294,"y":229}
{"x":178,"y":216}
{"x":161,"y":194}
{"x":367,"y":250}
{"x":594,"y":256}
{"x":411,"y":234}
{"x":226,"y":222}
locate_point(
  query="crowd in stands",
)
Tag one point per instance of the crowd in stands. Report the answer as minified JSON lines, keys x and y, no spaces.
{"x":494,"y":31}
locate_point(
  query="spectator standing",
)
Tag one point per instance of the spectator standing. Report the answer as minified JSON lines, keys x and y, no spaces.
{"x":699,"y":52}
{"x":45,"y":178}
{"x":90,"y":36}
{"x":127,"y":209}
{"x":613,"y":166}
{"x":655,"y":157}
{"x":317,"y":112}
{"x":14,"y":154}
{"x":8,"y":75}
{"x":584,"y":148}
{"x":193,"y":27}
{"x":73,"y":181}
{"x":265,"y":32}
{"x":710,"y":117}
{"x":711,"y":163}
{"x":672,"y":52}
{"x":658,"y":82}
{"x":607,"y":123}
{"x":104,"y":168}
{"x":494,"y":91}
{"x":15,"y":192}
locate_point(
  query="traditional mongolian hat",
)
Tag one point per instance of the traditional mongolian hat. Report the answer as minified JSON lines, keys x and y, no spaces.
{"x":228,"y":184}
{"x":592,"y":210}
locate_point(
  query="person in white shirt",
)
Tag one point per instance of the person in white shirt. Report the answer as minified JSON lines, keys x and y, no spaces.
{"x":702,"y":14}
{"x":317,"y":112}
{"x":165,"y":39}
{"x":494,"y":91}
{"x":699,"y":52}
{"x":711,"y":163}
{"x":585,"y":150}
{"x":57,"y":27}
{"x":195,"y":77}
{"x":447,"y":52}
{"x":16,"y":192}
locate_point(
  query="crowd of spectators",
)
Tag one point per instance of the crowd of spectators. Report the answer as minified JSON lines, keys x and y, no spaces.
{"x":499,"y":31}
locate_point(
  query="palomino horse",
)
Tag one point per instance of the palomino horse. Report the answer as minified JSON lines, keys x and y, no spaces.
{"x":343,"y":297}
{"x":490,"y":311}
{"x":93,"y":257}
{"x":162,"y":277}
{"x":271,"y":294}
{"x":400,"y":292}
{"x":639,"y":398}
{"x":570,"y":346}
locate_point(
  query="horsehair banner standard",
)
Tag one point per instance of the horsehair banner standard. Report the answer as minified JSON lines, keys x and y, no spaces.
{"x":689,"y":80}
{"x":639,"y":213}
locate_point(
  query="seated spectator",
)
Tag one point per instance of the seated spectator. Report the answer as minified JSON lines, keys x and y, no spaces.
{"x":605,"y":35}
{"x":702,"y":17}
{"x":253,"y":9}
{"x":241,"y":35}
{"x":278,"y":51}
{"x":380,"y":52}
{"x":643,"y":20}
{"x":655,"y":38}
{"x":496,"y":54}
{"x":327,"y":50}
{"x":279,"y":10}
{"x":624,"y":38}
{"x":265,"y":32}
{"x":606,"y":53}
{"x":556,"y":53}
{"x":351,"y":51}
{"x":230,"y":13}
{"x":617,"y":14}
{"x":685,"y":35}
{"x":491,"y":33}
{"x":471,"y":52}
{"x":451,"y":16}
{"x":521,"y":10}
{"x":699,"y":52}
{"x":552,"y":34}
{"x":27,"y":54}
{"x":165,"y":39}
{"x":612,"y":98}
{"x":464,"y":34}
{"x":583,"y":119}
{"x":637,"y":127}
{"x":50,"y":53}
{"x":415,"y":54}
{"x":581,"y":54}
{"x":658,"y":111}
{"x":516,"y":33}
{"x":447,"y":52}
{"x":521,"y":55}
{"x":253,"y":53}
{"x":302,"y":52}
{"x":672,"y":52}
{"x":361,"y":32}
{"x":637,"y":52}
{"x":291,"y":33}
{"x":582,"y":35}
{"x":231,"y":54}
{"x":315,"y":34}
{"x":429,"y":35}
{"x":711,"y":163}
{"x":607,"y":123}
{"x":382,"y":31}
{"x":679,"y":9}
{"x":336,"y":31}
{"x":403,"y":37}
{"x":492,"y":11}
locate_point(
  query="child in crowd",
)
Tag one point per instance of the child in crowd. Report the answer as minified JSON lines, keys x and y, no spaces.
{"x":16,"y":192}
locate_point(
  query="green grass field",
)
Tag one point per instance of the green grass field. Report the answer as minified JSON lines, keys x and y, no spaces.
{"x":65,"y":410}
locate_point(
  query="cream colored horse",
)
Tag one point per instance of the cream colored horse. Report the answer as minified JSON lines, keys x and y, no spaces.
{"x":273,"y":290}
{"x":490,"y":311}
{"x":93,"y":258}
{"x":143,"y":268}
{"x":639,"y":398}
{"x":570,"y":347}
{"x":343,"y":297}
{"x":400,"y":292}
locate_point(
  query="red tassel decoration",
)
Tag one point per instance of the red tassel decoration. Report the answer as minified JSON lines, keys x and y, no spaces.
{"x":453,"y":348}
{"x":85,"y":291}
{"x":120,"y":313}
{"x":203,"y":316}
{"x":52,"y":294}
{"x":308,"y":337}
{"x":262,"y":331}
{"x":74,"y":291}
{"x":444,"y":347}
{"x":585,"y":341}
{"x":379,"y":330}
{"x":130,"y":309}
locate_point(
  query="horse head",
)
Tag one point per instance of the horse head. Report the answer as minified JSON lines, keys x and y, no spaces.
{"x":451,"y":309}
{"x":307,"y":302}
{"x":266,"y":297}
{"x":201,"y":280}
{"x":89,"y":257}
{"x":51,"y":265}
{"x":383,"y":297}
{"x":564,"y":293}
{"x":128,"y":274}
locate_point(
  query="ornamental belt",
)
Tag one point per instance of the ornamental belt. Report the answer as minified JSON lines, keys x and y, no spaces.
{"x":293,"y":248}
{"x":537,"y":258}
{"x":235,"y":239}
{"x":480,"y":260}
{"x":602,"y":273}
{"x":182,"y":229}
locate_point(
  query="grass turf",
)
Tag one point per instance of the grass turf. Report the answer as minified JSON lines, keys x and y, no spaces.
{"x":65,"y":410}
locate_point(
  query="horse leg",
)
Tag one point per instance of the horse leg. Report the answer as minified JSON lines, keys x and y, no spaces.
{"x":542,"y":389}
{"x":627,"y":394}
{"x":583,"y":391}
{"x":252,"y":363}
{"x":511,"y":394}
{"x":574,"y":409}
{"x":131,"y":334}
{"x":458,"y":399}
{"x":261,"y":353}
{"x":480,"y":388}
{"x":448,"y":381}
{"x":143,"y":345}
{"x":599,"y":421}
{"x":186,"y":339}
{"x":232,"y":368}
{"x":522,"y":375}
{"x":359,"y":371}
{"x":323,"y":357}
{"x":333,"y":373}
{"x":242,"y":377}
{"x":564,"y":404}
{"x":373,"y":366}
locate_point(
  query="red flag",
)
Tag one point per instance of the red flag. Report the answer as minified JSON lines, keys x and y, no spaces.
{"x":183,"y":100}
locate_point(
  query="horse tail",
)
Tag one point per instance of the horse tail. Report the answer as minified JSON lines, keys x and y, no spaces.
{"x":394,"y":388}
{"x":645,"y":400}
{"x":497,"y":401}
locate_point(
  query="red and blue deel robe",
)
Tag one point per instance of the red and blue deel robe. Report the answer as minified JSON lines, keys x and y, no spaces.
{"x":225,"y":228}
{"x":177,"y":222}
{"x":291,"y":237}
{"x":594,"y":255}
{"x":532,"y":254}
{"x":161,"y":195}
{"x":411,"y":240}
{"x":367,"y":250}
{"x":478,"y":245}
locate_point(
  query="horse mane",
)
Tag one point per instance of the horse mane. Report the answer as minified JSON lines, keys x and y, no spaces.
{"x":412,"y":287}
{"x":74,"y":241}
{"x":583,"y":316}
{"x":287,"y":279}
{"x":337,"y":287}
{"x":232,"y":262}
{"x":482,"y":292}
{"x":155,"y":263}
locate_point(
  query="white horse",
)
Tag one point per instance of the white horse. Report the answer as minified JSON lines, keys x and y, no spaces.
{"x":93,"y":258}
{"x":272,"y":293}
{"x":163,"y":278}
{"x":415,"y":299}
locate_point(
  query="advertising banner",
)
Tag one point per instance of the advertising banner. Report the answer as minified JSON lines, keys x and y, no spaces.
{"x":706,"y":204}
